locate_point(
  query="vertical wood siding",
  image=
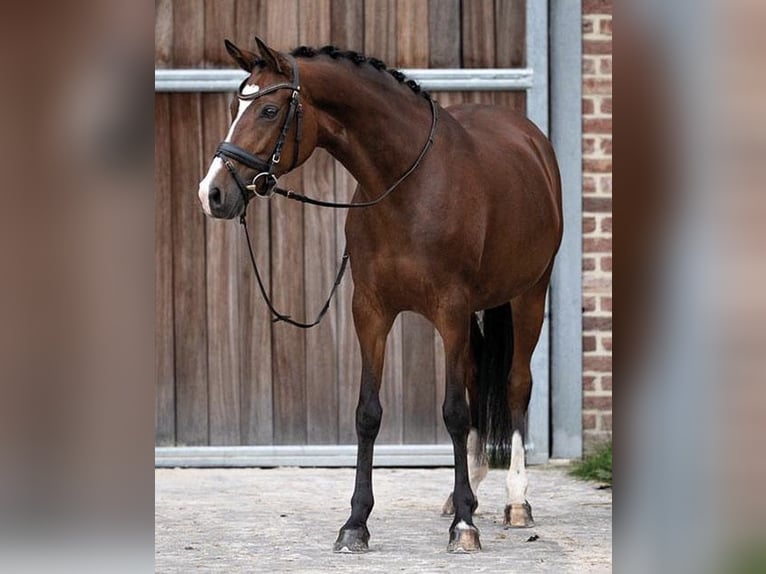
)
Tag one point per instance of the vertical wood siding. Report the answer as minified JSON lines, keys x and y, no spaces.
{"x":225,"y":374}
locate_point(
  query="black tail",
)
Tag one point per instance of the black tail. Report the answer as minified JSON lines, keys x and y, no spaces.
{"x":493,"y":350}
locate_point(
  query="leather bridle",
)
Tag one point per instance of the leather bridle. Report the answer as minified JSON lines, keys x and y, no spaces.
{"x":265,"y":169}
{"x":228,"y":151}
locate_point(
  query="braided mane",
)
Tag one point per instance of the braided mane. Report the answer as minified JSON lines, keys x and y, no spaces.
{"x":359,"y":60}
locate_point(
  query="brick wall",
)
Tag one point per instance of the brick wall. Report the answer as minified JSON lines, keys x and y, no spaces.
{"x":597,"y":221}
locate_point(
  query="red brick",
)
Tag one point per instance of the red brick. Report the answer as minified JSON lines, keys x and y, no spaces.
{"x":597,"y":245}
{"x":588,"y":343}
{"x":606,"y":263}
{"x":589,"y":66}
{"x":588,"y":145}
{"x":594,"y":165}
{"x":605,"y":184}
{"x":607,"y":343}
{"x":588,"y":107}
{"x":589,"y":421}
{"x":605,"y":105}
{"x":588,"y":224}
{"x":597,"y":46}
{"x":597,"y":204}
{"x":597,"y":364}
{"x":606,"y":225}
{"x":597,"y":7}
{"x":588,"y":264}
{"x":606,"y":146}
{"x":605,"y":304}
{"x":588,"y":184}
{"x":606,"y":26}
{"x":605,"y":66}
{"x":588,"y":383}
{"x":606,"y":383}
{"x":606,"y":422}
{"x":597,"y":86}
{"x":596,"y":403}
{"x":597,"y":126}
{"x":590,"y":323}
{"x":588,"y":304}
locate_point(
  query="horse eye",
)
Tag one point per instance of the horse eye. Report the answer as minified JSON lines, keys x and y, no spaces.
{"x":269,"y":112}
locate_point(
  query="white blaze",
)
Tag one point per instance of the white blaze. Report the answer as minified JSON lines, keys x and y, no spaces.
{"x":217,"y":165}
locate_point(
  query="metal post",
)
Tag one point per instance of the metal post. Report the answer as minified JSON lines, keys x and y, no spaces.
{"x":566,"y":288}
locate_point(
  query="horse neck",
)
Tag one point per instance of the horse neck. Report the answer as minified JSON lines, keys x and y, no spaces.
{"x":368,"y":121}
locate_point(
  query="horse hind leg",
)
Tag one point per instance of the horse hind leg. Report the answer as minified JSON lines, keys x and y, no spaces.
{"x":528,"y":313}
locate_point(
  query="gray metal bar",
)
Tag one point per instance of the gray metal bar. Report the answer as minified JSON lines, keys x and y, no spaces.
{"x":538,"y":428}
{"x":480,"y":79}
{"x":566,"y":292}
{"x":314,"y":455}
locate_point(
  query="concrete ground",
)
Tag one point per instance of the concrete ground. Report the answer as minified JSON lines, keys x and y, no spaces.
{"x":286,"y":520}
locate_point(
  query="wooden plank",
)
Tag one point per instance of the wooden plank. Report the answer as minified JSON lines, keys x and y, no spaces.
{"x":380,"y":30}
{"x":188,"y":33}
{"x":510,"y":33}
{"x":419,"y":392}
{"x":347,"y":24}
{"x":222,"y":255}
{"x":256,"y":372}
{"x":250,"y":21}
{"x":320,"y":261}
{"x":219,"y":24}
{"x":165,"y":422}
{"x":287,"y":279}
{"x":510,"y":47}
{"x":188,"y":274}
{"x":256,"y":389}
{"x":163,"y":34}
{"x":412,"y":33}
{"x":380,"y":41}
{"x":349,"y":355}
{"x":444,"y":33}
{"x":478,"y":34}
{"x":189,"y":236}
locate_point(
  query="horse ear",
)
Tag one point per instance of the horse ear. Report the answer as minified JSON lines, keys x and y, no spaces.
{"x":273,"y":59}
{"x":245,"y":59}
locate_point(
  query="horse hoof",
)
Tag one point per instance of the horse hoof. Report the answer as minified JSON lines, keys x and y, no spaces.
{"x":518,"y":516}
{"x":448,"y":509}
{"x":464,"y":538}
{"x":352,"y":540}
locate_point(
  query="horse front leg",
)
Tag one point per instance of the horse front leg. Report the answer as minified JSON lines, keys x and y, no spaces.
{"x":372,"y":327}
{"x":464,"y":536}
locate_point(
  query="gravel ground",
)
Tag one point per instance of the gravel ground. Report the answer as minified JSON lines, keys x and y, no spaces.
{"x":286,"y":520}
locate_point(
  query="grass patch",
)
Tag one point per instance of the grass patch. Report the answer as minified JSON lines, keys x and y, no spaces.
{"x":597,"y":466}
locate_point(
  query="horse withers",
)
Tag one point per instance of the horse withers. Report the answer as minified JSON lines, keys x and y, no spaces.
{"x":460,"y":222}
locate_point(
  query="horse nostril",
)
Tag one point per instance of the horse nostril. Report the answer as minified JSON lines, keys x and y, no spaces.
{"x":215,"y":197}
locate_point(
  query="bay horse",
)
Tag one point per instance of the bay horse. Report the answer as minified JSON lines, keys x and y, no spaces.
{"x":461,"y":223}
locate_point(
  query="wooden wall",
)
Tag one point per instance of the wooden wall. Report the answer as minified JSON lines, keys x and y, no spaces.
{"x":225,"y":374}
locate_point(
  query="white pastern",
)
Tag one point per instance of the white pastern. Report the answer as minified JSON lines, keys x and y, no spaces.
{"x":477,"y":471}
{"x":517,"y":481}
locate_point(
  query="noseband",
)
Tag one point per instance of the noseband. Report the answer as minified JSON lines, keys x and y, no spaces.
{"x":228,"y":151}
{"x":264,"y":169}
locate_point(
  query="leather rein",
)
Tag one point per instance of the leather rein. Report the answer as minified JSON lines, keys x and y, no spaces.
{"x":264,"y":184}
